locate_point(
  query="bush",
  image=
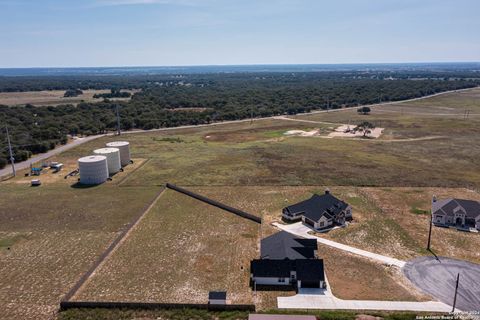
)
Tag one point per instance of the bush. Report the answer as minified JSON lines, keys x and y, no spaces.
{"x":3,"y":163}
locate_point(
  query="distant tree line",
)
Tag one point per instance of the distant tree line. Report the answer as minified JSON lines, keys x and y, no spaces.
{"x":114,"y":93}
{"x":37,"y":129}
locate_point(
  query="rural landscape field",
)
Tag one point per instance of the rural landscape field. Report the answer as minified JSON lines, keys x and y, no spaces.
{"x":182,"y":248}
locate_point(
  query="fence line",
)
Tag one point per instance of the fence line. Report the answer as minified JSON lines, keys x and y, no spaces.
{"x":217,"y":204}
{"x":108,"y":251}
{"x":65,"y":305}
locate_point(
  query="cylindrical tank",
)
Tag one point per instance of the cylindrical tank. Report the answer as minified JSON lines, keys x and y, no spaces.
{"x":124,"y":147}
{"x":113,"y":158}
{"x":93,"y":169}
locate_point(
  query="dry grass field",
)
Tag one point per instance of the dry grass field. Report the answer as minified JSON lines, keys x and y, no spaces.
{"x":259,"y":154}
{"x":49,"y":236}
{"x":181,"y":250}
{"x":51,"y":97}
{"x":361,"y":279}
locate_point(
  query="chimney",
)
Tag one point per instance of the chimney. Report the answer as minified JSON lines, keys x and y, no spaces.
{"x":434,"y":199}
{"x":327,"y":191}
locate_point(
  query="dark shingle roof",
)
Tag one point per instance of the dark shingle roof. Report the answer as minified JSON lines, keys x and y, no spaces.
{"x":271,"y":268}
{"x":310,"y":270}
{"x":317,"y":206}
{"x":217,"y":295}
{"x":472,"y":208}
{"x":307,"y":269}
{"x":284,"y":245}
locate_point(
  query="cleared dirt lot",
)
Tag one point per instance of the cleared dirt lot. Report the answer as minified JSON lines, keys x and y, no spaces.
{"x":51,"y":97}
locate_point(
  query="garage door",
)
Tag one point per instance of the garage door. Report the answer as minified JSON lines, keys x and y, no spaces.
{"x":310,"y":284}
{"x":309,"y":222}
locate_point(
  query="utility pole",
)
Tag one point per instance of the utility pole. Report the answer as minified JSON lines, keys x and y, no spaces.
{"x":430,"y":231}
{"x":12,"y":159}
{"x":118,"y":120}
{"x":456,"y":290}
{"x":251,"y":115}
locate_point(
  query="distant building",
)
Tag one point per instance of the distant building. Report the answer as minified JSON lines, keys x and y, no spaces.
{"x":459,"y":213}
{"x":319,"y":212}
{"x":288,"y":261}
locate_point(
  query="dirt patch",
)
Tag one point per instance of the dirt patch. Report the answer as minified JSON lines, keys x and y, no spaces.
{"x":347,"y":131}
{"x":302,"y":133}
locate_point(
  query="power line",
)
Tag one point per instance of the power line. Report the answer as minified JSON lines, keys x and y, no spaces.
{"x":12,"y":159}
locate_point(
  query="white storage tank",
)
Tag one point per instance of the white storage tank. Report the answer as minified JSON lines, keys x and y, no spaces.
{"x":93,"y":169}
{"x":124,"y":147}
{"x":113,"y":158}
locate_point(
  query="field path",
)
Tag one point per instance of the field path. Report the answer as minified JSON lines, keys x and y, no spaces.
{"x":301,"y":230}
{"x":25,"y":164}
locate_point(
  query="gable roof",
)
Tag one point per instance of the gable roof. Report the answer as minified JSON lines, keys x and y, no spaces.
{"x":310,"y":270}
{"x":317,"y":206}
{"x":284,"y":245}
{"x":272,"y":268}
{"x":448,"y":206}
{"x":307,"y":269}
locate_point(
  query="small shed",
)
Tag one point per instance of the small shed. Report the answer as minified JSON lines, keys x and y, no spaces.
{"x":217,"y":297}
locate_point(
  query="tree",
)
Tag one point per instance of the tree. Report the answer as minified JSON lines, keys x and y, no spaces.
{"x":72,"y":93}
{"x":364,"y":110}
{"x":366,"y":127}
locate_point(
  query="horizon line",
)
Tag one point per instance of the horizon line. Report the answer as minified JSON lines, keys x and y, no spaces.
{"x":243,"y":65}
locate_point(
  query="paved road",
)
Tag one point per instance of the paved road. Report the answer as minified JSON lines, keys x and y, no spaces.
{"x":301,"y":230}
{"x":437,"y":278}
{"x":25,"y":164}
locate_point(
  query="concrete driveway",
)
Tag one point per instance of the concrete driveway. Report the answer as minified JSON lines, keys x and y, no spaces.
{"x":437,"y":277}
{"x":301,"y":230}
{"x":324,"y":299}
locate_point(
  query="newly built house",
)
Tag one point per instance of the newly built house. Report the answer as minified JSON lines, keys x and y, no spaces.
{"x":460,"y":213}
{"x":319,"y":212}
{"x":288,"y":261}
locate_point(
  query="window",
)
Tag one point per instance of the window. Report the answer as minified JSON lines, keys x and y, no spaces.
{"x":281,"y":279}
{"x":322,"y":224}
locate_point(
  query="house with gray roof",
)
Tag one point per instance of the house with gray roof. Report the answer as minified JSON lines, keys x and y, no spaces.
{"x":460,"y":213}
{"x":319,"y":212}
{"x":287,"y":261}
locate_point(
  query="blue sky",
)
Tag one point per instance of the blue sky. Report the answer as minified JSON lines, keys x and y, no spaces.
{"x":49,"y":33}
